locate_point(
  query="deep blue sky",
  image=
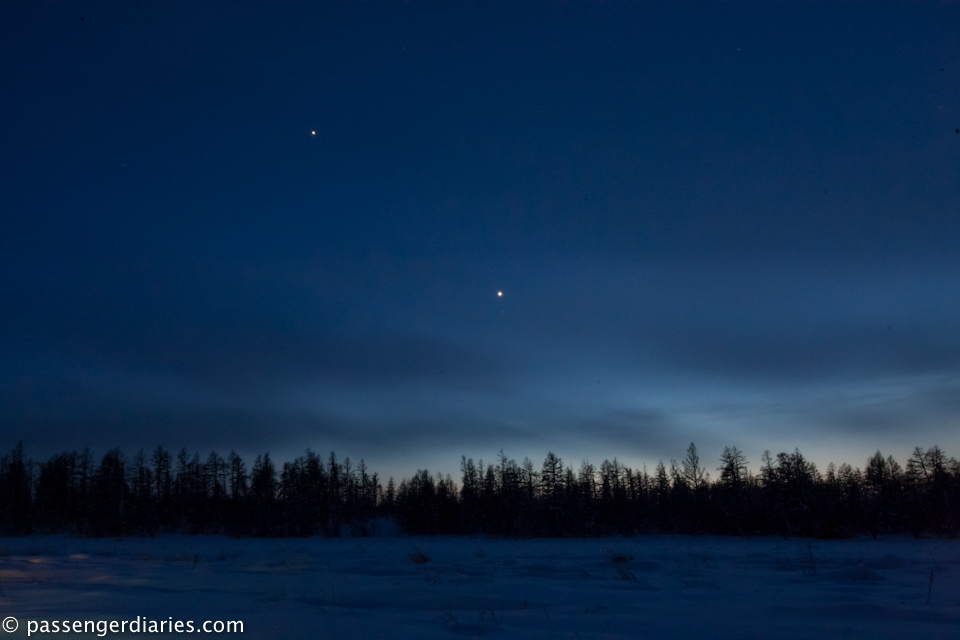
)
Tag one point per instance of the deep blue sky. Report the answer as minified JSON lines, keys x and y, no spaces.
{"x":731,"y":224}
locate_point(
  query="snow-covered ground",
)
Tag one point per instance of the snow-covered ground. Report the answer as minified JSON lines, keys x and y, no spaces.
{"x":642,"y":587}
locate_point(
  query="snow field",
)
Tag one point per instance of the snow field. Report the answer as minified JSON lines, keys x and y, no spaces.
{"x":452,"y":587}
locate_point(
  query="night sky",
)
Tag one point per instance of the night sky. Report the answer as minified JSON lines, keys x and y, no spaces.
{"x":278,"y":226}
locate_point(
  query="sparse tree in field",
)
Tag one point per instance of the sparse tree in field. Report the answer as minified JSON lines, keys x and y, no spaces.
{"x":110,"y":496}
{"x":263,"y":493}
{"x":141,"y":494}
{"x":529,"y":478}
{"x":733,"y":468}
{"x":163,"y":483}
{"x":588,"y":481}
{"x":15,"y":492}
{"x":731,"y":489}
{"x":693,"y":473}
{"x":56,"y":492}
{"x":390,"y":497}
{"x":551,"y":478}
{"x":662,"y":484}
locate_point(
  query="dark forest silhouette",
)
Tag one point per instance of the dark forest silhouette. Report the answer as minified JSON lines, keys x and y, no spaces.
{"x":312,"y":496}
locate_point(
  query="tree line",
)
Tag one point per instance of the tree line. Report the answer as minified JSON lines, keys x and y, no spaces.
{"x":310,"y":495}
